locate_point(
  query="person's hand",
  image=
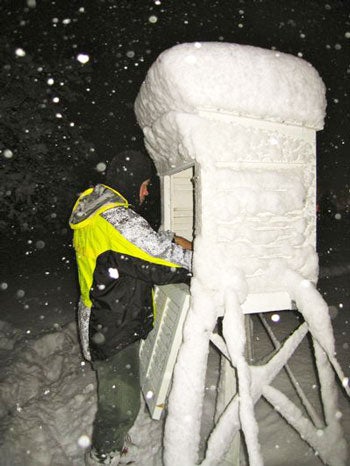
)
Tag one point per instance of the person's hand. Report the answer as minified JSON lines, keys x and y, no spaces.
{"x":183,"y":242}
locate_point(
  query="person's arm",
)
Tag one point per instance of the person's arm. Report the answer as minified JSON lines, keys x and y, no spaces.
{"x":154,"y":274}
{"x":138,"y":231}
{"x":183,"y":242}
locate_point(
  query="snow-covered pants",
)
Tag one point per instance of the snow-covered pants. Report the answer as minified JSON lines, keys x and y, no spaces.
{"x":118,"y":404}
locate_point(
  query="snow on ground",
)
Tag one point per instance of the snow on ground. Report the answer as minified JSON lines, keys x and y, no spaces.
{"x":47,"y":400}
{"x":277,"y":438}
{"x":48,"y":393}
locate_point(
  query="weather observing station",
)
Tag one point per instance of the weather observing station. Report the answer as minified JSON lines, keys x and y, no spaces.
{"x":232,"y":131}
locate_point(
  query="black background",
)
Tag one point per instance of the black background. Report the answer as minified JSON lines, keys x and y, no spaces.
{"x":122,"y":41}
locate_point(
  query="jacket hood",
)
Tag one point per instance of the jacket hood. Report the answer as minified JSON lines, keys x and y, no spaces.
{"x":127,"y":171}
{"x":95,"y":201}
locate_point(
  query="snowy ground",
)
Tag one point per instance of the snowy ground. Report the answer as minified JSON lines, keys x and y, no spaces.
{"x":47,"y":394}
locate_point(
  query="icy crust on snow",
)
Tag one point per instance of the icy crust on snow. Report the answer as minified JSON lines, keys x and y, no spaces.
{"x":235,"y":79}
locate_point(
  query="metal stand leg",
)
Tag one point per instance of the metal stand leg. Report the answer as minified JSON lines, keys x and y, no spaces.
{"x":227,"y":389}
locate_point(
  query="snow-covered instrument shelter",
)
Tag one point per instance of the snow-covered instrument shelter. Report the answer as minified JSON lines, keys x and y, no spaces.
{"x":232,"y":131}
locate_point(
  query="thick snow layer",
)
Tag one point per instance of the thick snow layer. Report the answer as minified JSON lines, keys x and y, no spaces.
{"x":186,"y":398}
{"x":255,"y":191}
{"x":255,"y":177}
{"x":235,"y":79}
{"x":48,"y":401}
{"x":48,"y":397}
{"x":246,"y":119}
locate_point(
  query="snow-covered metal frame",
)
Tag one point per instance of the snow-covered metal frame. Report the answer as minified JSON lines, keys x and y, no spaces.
{"x":246,"y":119}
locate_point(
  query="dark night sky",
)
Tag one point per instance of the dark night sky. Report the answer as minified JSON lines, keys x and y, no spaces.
{"x":123,"y":38}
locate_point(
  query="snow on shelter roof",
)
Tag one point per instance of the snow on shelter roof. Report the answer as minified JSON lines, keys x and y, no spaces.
{"x":235,"y":79}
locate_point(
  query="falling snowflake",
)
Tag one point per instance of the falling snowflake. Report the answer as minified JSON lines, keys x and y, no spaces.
{"x":84,"y":441}
{"x":101,"y":167}
{"x":113,"y":272}
{"x":8,"y":154}
{"x":83,"y":58}
{"x":20,"y":52}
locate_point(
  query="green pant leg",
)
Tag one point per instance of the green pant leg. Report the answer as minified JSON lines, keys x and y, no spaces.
{"x":118,"y":388}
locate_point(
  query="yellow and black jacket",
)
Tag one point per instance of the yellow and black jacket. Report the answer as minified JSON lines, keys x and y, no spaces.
{"x":120,"y":258}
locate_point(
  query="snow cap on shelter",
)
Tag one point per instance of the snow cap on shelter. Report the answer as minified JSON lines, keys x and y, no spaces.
{"x":235,"y":79}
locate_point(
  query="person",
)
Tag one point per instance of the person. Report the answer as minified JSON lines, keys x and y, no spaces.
{"x":120,"y":258}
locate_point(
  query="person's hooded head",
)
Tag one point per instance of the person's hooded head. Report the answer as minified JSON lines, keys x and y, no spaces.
{"x":127,"y":171}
